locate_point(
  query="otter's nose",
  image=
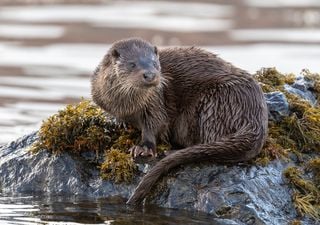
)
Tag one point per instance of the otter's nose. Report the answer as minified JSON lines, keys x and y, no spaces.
{"x":149,"y":76}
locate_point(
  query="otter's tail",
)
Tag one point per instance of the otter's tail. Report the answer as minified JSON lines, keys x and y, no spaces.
{"x":237,"y":147}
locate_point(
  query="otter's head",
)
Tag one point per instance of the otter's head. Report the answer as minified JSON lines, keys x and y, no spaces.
{"x":136,"y":63}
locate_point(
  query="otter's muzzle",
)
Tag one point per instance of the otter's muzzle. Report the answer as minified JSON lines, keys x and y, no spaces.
{"x":149,"y":76}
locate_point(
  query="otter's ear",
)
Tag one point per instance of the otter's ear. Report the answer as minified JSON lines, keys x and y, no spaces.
{"x":156,"y":50}
{"x":115,"y":53}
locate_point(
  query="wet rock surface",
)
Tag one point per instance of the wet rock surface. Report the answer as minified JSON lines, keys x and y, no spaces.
{"x":49,"y":174}
{"x":277,"y":104}
{"x":247,"y":194}
{"x":237,"y":194}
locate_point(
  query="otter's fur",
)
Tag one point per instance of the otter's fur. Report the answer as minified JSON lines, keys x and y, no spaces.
{"x":206,"y":106}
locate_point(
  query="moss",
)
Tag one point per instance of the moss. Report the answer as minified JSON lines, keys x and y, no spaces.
{"x":306,"y":196}
{"x":118,"y":166}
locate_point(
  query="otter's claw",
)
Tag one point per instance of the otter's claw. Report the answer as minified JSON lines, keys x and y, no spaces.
{"x":144,"y":151}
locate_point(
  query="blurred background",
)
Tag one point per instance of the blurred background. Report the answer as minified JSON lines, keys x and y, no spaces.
{"x":49,"y":48}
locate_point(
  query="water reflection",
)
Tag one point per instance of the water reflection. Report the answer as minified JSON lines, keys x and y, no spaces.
{"x":58,"y":210}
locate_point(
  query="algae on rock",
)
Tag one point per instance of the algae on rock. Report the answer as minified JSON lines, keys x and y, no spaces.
{"x":297,"y":133}
{"x":77,"y":128}
{"x":84,"y":127}
{"x":306,"y":195}
{"x":118,"y":166}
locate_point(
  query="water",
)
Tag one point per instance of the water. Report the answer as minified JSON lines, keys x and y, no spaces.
{"x":32,"y":210}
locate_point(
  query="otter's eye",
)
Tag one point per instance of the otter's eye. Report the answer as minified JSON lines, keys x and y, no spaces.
{"x":155,"y":64}
{"x":132,"y":65}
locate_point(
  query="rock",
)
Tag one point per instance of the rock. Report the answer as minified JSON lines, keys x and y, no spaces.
{"x":302,"y":87}
{"x":278,"y":105}
{"x":247,"y":194}
{"x":44,"y":173}
{"x":277,"y":102}
{"x":239,"y":194}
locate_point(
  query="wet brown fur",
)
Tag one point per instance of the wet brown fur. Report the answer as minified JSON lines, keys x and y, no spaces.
{"x":211,"y":109}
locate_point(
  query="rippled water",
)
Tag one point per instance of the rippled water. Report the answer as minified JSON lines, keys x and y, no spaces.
{"x":32,"y":210}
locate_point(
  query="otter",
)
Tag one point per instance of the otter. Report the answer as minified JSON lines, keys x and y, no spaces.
{"x":206,"y":108}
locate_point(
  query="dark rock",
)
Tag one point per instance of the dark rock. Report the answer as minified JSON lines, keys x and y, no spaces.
{"x":239,"y":194}
{"x":277,"y":105}
{"x":43,"y":173}
{"x":247,"y":194}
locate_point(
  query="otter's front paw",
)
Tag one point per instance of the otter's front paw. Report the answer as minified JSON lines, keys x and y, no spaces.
{"x":144,"y":151}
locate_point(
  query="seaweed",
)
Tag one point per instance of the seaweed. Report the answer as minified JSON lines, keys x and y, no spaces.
{"x":85,"y":127}
{"x":295,"y":222}
{"x":271,"y":150}
{"x":314,"y":166}
{"x":300,"y":131}
{"x":306,"y":196}
{"x":315,"y":79}
{"x":77,"y":128}
{"x":272,"y":80}
{"x":118,"y":166}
